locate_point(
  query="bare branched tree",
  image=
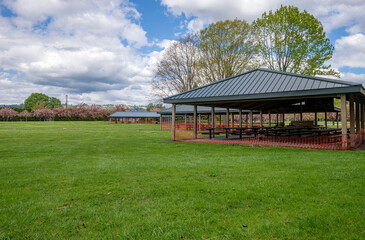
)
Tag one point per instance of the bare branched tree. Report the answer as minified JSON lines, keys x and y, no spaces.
{"x":178,"y":70}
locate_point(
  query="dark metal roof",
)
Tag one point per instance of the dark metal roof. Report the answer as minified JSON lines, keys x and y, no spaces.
{"x":135,"y":115}
{"x":189,"y":109}
{"x":264,"y":83}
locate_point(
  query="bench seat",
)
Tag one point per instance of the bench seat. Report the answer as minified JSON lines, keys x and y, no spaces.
{"x":215,"y":133}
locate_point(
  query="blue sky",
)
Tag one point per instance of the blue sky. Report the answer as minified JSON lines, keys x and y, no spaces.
{"x":156,"y":21}
{"x":105,"y":51}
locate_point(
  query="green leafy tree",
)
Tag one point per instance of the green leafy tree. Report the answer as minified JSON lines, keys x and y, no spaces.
{"x":39,"y":105}
{"x":292,"y":41}
{"x":226,"y":48}
{"x":40,"y":100}
{"x":151,"y":106}
{"x":33,"y":99}
{"x":54,"y":102}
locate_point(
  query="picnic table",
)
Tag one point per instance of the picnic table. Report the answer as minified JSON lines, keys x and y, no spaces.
{"x":276,"y":131}
{"x":254,"y":130}
{"x":240,"y":130}
{"x":326,"y":131}
{"x":300,"y":131}
{"x":212,"y":132}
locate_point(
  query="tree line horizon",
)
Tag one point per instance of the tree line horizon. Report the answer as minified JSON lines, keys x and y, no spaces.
{"x":39,"y":106}
{"x":286,"y":40}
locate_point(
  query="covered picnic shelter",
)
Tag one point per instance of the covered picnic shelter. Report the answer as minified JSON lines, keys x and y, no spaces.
{"x":279,"y":93}
{"x":184,"y":117}
{"x":134,"y":117}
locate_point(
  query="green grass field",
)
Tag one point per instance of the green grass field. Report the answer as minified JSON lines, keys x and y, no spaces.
{"x":94,"y":180}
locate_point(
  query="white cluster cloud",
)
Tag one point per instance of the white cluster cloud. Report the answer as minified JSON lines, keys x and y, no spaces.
{"x":350,"y":51}
{"x":340,"y":13}
{"x":85,"y":48}
{"x":108,"y":18}
{"x":358,"y":78}
{"x":334,"y":13}
{"x":195,"y":25}
{"x":213,"y":10}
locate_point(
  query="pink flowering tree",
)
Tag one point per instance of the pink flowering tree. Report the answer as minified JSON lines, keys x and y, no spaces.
{"x":25,"y":115}
{"x":94,"y":112}
{"x":104,"y":113}
{"x":118,"y":108}
{"x":7,"y":113}
{"x":62,"y":113}
{"x":79,"y":112}
{"x":44,"y":113}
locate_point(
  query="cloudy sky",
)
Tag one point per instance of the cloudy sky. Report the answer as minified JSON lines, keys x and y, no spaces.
{"x":104,"y":51}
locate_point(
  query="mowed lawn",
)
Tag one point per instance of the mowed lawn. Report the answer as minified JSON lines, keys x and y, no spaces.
{"x":94,"y":180}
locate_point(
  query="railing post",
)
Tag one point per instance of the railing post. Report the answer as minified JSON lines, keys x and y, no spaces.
{"x":362,"y":122}
{"x":213,"y":120}
{"x":173,"y":121}
{"x":325,"y":118}
{"x":195,"y":122}
{"x":240,"y":117}
{"x":344,"y":121}
{"x":315,"y":118}
{"x":352,"y":119}
{"x":227,"y":117}
{"x":232,"y":120}
{"x":261,"y":120}
{"x":357,"y":117}
{"x":251,"y":118}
